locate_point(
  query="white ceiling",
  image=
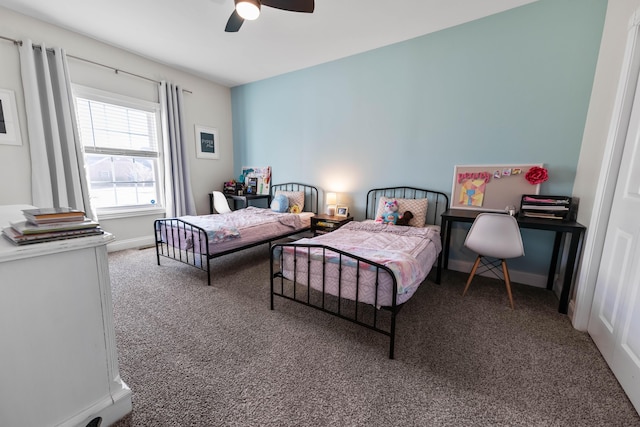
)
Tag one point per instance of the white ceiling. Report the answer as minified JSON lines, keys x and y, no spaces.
{"x":189,"y":34}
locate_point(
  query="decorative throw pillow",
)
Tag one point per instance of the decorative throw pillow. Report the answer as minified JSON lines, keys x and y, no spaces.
{"x":295,"y":197}
{"x":418,"y":208}
{"x":280,"y":203}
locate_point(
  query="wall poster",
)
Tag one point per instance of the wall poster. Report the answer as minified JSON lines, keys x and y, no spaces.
{"x":261,"y":176}
{"x":207,"y":144}
{"x":491,"y":187}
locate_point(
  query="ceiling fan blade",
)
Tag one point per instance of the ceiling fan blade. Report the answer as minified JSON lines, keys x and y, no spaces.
{"x":291,"y":5}
{"x":234,"y":23}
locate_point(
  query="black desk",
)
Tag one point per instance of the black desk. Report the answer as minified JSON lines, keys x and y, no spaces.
{"x":244,"y":199}
{"x":574,"y":230}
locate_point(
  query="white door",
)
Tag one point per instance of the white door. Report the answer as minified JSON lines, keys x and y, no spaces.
{"x":614,"y":323}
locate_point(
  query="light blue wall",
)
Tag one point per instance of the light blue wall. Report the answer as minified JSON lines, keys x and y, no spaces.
{"x":507,"y":89}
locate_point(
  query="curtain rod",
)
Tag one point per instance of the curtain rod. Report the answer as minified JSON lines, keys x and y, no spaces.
{"x":116,"y":70}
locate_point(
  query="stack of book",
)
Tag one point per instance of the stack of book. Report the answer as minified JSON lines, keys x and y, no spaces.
{"x":548,"y":207}
{"x":48,"y":224}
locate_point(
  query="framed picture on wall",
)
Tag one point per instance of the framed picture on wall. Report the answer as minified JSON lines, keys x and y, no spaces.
{"x":9,"y":126}
{"x":207,"y":143}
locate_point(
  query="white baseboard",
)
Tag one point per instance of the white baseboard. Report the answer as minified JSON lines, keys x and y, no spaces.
{"x":537,"y":280}
{"x":137,"y":243}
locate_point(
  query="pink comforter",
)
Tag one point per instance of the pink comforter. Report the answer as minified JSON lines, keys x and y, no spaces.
{"x":395,"y":247}
{"x":223,"y":227}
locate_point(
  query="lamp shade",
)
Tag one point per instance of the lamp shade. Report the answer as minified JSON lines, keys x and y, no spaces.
{"x":248,"y":9}
{"x":331,"y":201}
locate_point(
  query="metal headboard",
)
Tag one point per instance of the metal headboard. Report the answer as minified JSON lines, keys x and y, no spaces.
{"x":438,"y":202}
{"x":310,"y":194}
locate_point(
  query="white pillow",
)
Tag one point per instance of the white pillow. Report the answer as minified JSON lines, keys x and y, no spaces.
{"x":295,"y":197}
{"x":418,"y":208}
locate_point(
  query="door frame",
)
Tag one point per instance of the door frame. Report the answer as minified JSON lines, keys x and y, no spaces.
{"x":612,"y":157}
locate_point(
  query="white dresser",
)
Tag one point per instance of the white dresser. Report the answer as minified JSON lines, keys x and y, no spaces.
{"x":58,"y":359}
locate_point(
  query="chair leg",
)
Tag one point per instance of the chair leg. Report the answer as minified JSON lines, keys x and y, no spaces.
{"x":507,"y":281}
{"x":473,"y":272}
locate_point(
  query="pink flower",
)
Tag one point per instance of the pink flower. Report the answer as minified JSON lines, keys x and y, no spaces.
{"x":536,"y":175}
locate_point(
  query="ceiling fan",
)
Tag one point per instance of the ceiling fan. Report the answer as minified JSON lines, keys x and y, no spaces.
{"x":250,"y":10}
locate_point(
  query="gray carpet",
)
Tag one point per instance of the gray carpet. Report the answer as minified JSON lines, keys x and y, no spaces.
{"x":196,"y":355}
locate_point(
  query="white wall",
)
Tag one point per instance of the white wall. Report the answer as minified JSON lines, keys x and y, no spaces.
{"x":209,"y":104}
{"x":608,"y":70}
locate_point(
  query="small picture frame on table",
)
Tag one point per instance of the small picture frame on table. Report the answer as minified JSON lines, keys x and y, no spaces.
{"x":207,"y":143}
{"x":342,"y":211}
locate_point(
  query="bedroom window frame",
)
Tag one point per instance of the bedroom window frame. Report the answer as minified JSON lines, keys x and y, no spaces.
{"x":148,"y":156}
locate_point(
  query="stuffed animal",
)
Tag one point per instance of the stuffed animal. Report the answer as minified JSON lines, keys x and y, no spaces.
{"x":405,"y":218}
{"x":390,"y":214}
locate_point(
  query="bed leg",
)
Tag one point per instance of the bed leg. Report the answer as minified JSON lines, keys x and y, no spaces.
{"x":271,"y":276}
{"x":392,"y":334}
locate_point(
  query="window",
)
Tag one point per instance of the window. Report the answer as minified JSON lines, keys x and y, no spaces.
{"x":122,"y":154}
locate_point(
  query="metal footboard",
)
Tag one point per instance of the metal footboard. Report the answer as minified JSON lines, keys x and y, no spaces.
{"x":334,"y":301}
{"x":184,"y":242}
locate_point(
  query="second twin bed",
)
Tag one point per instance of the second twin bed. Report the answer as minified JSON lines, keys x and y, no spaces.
{"x":364,"y":270}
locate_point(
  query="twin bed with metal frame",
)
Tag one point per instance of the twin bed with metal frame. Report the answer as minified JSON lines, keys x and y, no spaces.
{"x":195,"y":240}
{"x":365,"y":271}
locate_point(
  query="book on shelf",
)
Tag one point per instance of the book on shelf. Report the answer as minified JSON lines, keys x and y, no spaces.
{"x":545,"y":207}
{"x":27,"y":227}
{"x":547,"y":200}
{"x":542,"y":215}
{"x":42,"y":215}
{"x":25,"y":239}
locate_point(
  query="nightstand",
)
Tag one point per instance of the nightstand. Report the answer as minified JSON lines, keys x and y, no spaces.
{"x":322,"y":223}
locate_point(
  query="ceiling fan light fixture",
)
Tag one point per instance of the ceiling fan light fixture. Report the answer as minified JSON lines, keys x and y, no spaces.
{"x":248,"y":9}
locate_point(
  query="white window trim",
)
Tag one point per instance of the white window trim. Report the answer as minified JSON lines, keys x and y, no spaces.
{"x":140,"y":104}
{"x":113,"y":98}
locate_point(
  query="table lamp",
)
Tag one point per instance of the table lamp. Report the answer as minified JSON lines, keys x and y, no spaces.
{"x":332,"y":201}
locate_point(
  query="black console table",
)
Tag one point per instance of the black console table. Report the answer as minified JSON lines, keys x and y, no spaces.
{"x":574,"y":230}
{"x":245,"y":200}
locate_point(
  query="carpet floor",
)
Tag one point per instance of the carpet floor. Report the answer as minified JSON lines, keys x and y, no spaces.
{"x":198,"y":355}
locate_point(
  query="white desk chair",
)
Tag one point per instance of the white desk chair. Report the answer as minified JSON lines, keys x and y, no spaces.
{"x":497,"y":236}
{"x":220,"y":203}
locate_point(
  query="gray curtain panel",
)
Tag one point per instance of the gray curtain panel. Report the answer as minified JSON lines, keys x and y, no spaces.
{"x":58,"y":175}
{"x":178,"y":193}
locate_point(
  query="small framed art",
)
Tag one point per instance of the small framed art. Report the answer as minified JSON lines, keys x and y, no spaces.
{"x":207,"y":143}
{"x":9,"y":126}
{"x":342,"y":211}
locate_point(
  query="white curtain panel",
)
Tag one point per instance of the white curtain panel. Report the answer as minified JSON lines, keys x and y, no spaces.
{"x":179,"y":196}
{"x":58,"y":175}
